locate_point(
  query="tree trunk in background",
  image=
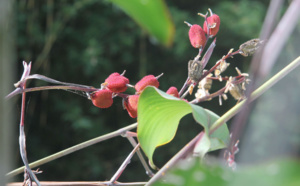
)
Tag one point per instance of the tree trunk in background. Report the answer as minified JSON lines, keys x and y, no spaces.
{"x":7,"y":74}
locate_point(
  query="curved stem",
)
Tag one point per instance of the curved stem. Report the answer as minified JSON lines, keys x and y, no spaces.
{"x":73,"y":149}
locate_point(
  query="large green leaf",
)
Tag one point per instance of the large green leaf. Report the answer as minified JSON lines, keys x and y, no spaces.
{"x":158,"y":119}
{"x":151,"y":15}
{"x":276,"y":173}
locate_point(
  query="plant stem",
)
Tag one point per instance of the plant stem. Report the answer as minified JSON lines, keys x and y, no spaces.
{"x":258,"y":92}
{"x":81,"y":183}
{"x":73,"y":149}
{"x":124,"y":165}
{"x":141,"y":157}
{"x":183,"y":152}
{"x":55,"y":87}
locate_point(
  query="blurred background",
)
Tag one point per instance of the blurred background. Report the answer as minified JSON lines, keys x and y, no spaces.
{"x":84,"y":41}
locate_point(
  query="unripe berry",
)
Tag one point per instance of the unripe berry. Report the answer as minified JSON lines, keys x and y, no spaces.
{"x":173,"y":91}
{"x":102,"y":98}
{"x":149,"y":80}
{"x":214,"y":24}
{"x":116,"y":82}
{"x":197,"y":36}
{"x":131,"y":105}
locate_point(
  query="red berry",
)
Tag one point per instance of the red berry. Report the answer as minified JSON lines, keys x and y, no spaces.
{"x":131,"y":105}
{"x":213,"y":20}
{"x":116,"y":82}
{"x":149,"y":80}
{"x":197,"y":36}
{"x":173,"y":91}
{"x":102,"y":98}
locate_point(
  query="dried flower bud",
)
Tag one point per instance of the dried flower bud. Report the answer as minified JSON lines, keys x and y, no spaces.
{"x":221,"y":68}
{"x":206,"y":83}
{"x":149,"y":80}
{"x":213,"y":22}
{"x":197,"y":36}
{"x":102,"y":98}
{"x":116,"y":82}
{"x":201,"y":93}
{"x":195,"y":70}
{"x":173,"y":91}
{"x":131,"y":105}
{"x":250,"y":47}
{"x":235,"y":90}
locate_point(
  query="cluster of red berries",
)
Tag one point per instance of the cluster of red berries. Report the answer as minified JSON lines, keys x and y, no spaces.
{"x":116,"y":83}
{"x":197,"y":35}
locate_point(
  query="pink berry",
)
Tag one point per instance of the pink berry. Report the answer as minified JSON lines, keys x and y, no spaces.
{"x":213,"y":20}
{"x":197,"y":36}
{"x":116,"y":82}
{"x":131,"y":105}
{"x":102,"y":98}
{"x":173,"y":91}
{"x":149,"y":80}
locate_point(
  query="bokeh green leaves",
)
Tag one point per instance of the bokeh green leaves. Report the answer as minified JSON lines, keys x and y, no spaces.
{"x":152,"y":15}
{"x":274,"y":173}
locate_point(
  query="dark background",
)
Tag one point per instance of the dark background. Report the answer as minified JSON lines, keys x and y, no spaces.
{"x":83,"y":42}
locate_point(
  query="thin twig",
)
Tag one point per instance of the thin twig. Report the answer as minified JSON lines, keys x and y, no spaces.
{"x":81,"y":183}
{"x":73,"y":149}
{"x":124,"y":165}
{"x":141,"y":157}
{"x":22,"y":137}
{"x":59,"y":87}
{"x":182,"y":153}
{"x":185,"y":85}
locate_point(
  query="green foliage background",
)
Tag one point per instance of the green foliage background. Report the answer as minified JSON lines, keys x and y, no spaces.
{"x":83,"y":42}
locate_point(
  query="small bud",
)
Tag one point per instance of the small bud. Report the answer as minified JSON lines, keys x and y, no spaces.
{"x":201,"y":93}
{"x":250,"y":47}
{"x":235,"y":90}
{"x":212,"y":23}
{"x":116,"y":82}
{"x":206,"y":83}
{"x":149,"y":80}
{"x":102,"y":98}
{"x":173,"y":91}
{"x":197,"y":36}
{"x":131,"y":104}
{"x":191,"y":88}
{"x":221,"y":68}
{"x":195,"y":70}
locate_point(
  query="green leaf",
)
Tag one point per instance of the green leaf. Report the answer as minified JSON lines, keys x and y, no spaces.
{"x":151,"y":15}
{"x":158,"y":119}
{"x":276,"y":173}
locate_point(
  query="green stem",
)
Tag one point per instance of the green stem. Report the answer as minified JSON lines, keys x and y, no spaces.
{"x":258,"y":92}
{"x":73,"y":149}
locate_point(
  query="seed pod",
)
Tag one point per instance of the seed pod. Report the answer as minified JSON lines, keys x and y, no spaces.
{"x":195,"y":70}
{"x":173,"y":91}
{"x":197,"y":36}
{"x":131,"y":105}
{"x":248,"y":48}
{"x":213,"y":23}
{"x":116,"y":82}
{"x":102,"y":98}
{"x":149,"y":80}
